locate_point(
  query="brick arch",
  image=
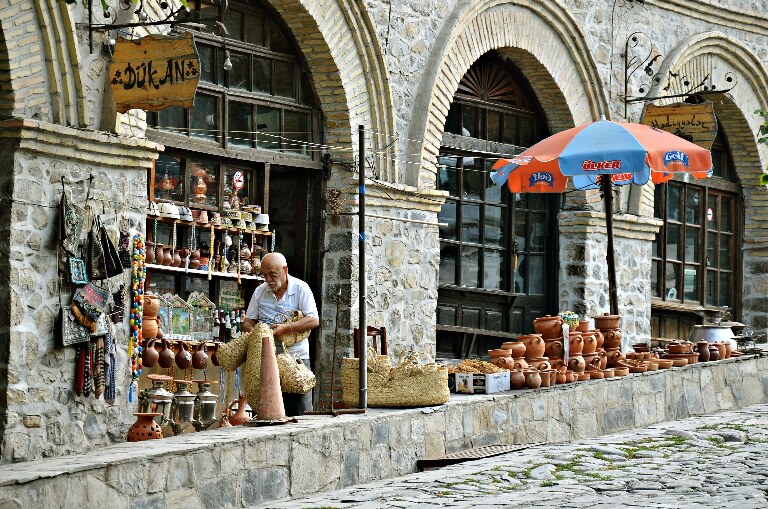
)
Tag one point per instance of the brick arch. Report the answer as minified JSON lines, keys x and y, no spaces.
{"x":340,"y":47}
{"x":540,"y":37}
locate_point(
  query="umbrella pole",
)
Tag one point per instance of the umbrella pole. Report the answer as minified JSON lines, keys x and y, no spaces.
{"x":605,"y":188}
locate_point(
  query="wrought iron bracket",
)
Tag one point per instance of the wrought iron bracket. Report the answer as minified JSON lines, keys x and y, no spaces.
{"x":650,"y":62}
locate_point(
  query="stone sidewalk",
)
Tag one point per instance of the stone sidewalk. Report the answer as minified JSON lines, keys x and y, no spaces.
{"x":712,"y":461}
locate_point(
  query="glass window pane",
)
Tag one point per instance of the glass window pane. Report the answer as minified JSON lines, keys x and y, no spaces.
{"x":672,"y":281}
{"x":691,"y":283}
{"x":693,"y":206}
{"x":473,"y":178}
{"x":470,"y":265}
{"x":203,"y":121}
{"x":206,"y":63}
{"x":711,"y":292}
{"x":536,"y":201}
{"x":494,"y":126}
{"x":277,"y":42}
{"x":673,"y":203}
{"x":285,"y":79}
{"x":169,"y":178}
{"x":233,"y":21}
{"x":448,"y":264}
{"x":711,"y":254}
{"x":262,"y":75}
{"x":673,"y":241}
{"x":725,"y":252}
{"x":655,"y":278}
{"x":537,"y":232}
{"x":234,"y":178}
{"x":519,"y":275}
{"x":268,"y":127}
{"x":172,"y":119}
{"x":493,"y":193}
{"x":469,"y":122}
{"x":452,"y":120}
{"x":203,"y":178}
{"x":493,"y":261}
{"x":470,"y":227}
{"x":520,"y":229}
{"x":297,"y":131}
{"x":494,"y":226}
{"x":509,"y":135}
{"x":535,"y":275}
{"x":692,"y":243}
{"x":448,"y":215}
{"x":712,"y":213}
{"x":447,"y":175}
{"x":725,"y":214}
{"x":725,"y":289}
{"x":239,"y":127}
{"x":254,"y":29}
{"x":239,"y":76}
{"x":658,"y":197}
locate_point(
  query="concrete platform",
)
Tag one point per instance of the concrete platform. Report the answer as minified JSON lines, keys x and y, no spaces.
{"x":241,"y":467}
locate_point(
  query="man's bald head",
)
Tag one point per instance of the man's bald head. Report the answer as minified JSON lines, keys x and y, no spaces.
{"x":274,"y":261}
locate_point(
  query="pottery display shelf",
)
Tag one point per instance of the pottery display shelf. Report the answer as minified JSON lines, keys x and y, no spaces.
{"x":231,"y":275}
{"x":207,"y":226}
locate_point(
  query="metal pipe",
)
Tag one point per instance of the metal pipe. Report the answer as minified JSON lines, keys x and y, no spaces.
{"x":362,"y":324}
{"x":605,"y":187}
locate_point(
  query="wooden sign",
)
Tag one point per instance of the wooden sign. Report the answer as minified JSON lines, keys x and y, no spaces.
{"x":154,"y":72}
{"x":694,"y":122}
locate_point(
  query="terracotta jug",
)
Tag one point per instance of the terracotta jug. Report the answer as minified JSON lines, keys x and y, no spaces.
{"x":728,"y":349}
{"x":183,"y":252}
{"x":176,"y":260}
{"x":165,"y":360}
{"x":200,"y":358}
{"x":149,"y":327}
{"x":534,"y":346}
{"x":149,"y":355}
{"x":517,"y":379}
{"x":545,"y":378}
{"x":149,"y":252}
{"x":560,"y":377}
{"x":159,"y":254}
{"x":145,"y":427}
{"x":240,"y":416}
{"x":703,"y":349}
{"x":533,"y":379}
{"x":151,"y":304}
{"x":183,"y":357}
{"x":720,"y":349}
{"x":577,"y":364}
{"x":167,"y":256}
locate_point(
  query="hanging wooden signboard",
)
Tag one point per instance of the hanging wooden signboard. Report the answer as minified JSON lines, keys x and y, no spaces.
{"x":154,"y":72}
{"x":694,"y":122}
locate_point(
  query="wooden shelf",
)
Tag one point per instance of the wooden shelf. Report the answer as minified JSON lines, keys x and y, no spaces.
{"x":194,"y":272}
{"x":260,"y":233}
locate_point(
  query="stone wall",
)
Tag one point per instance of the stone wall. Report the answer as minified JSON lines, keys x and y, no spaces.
{"x":242,"y":467}
{"x":42,"y":416}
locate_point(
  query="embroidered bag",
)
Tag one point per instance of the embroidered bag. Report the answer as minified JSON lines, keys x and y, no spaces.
{"x":70,"y":332}
{"x":97,"y":261}
{"x":71,"y":218}
{"x":91,"y":300}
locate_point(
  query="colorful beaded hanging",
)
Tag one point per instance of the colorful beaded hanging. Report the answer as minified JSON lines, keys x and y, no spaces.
{"x":138,"y":276}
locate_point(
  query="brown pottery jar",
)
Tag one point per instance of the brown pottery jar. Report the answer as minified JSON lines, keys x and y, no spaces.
{"x":149,"y":252}
{"x":550,"y":327}
{"x":607,"y":321}
{"x":145,"y":427}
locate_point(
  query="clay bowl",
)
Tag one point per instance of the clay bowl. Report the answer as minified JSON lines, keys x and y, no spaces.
{"x":596,"y":374}
{"x":620,"y":371}
{"x":680,"y":362}
{"x":640,"y":368}
{"x":664,"y":363}
{"x":608,"y":373}
{"x":678,"y":348}
{"x":653,"y":366}
{"x":583,"y":376}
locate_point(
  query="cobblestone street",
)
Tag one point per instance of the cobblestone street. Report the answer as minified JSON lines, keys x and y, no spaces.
{"x":711,"y":461}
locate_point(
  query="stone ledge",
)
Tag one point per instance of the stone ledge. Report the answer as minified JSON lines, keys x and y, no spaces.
{"x":323,"y":453}
{"x":624,"y":225}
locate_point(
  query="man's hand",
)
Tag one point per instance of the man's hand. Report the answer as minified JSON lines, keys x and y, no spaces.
{"x":279,"y":329}
{"x":248,"y":325}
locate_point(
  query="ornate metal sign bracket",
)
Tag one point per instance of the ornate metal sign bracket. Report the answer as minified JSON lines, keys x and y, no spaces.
{"x":650,"y":62}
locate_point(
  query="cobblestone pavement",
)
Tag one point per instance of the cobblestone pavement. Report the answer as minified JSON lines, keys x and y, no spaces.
{"x":711,"y":461}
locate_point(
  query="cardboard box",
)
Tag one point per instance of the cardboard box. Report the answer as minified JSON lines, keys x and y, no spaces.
{"x":478,"y":383}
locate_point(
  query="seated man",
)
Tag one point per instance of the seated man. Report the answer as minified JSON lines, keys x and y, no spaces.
{"x":270,"y":301}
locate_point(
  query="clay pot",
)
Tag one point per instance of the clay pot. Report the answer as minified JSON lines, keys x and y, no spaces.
{"x":703,"y":349}
{"x":590,"y":343}
{"x":194,"y":259}
{"x":151,"y":304}
{"x":200,"y":358}
{"x":603,"y":359}
{"x":577,"y":364}
{"x":607,"y":321}
{"x":721,"y":349}
{"x":165,"y":359}
{"x":149,"y":252}
{"x":576,"y":343}
{"x":159,"y":254}
{"x":675,"y":347}
{"x":591,"y":359}
{"x":620,"y":371}
{"x":149,"y":327}
{"x":641,"y":347}
{"x":504,"y":363}
{"x":145,"y":427}
{"x":545,"y":378}
{"x":608,"y":373}
{"x":560,"y":377}
{"x":516,"y":348}
{"x":532,"y":379}
{"x":714,"y":353}
{"x":553,"y":347}
{"x":540,"y":363}
{"x":595,"y":374}
{"x":550,"y":327}
{"x":612,"y":339}
{"x":582,"y":377}
{"x":728,"y":349}
{"x":183,"y":357}
{"x":183,"y":252}
{"x":149,"y":355}
{"x":613,"y":357}
{"x":583,"y":326}
{"x":176,"y":260}
{"x":240,"y":416}
{"x":167,"y":256}
{"x":534,"y":345}
{"x":569,"y":377}
{"x":517,"y":379}
{"x":599,"y":337}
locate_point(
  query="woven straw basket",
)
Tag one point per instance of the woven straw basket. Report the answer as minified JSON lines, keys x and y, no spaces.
{"x":410,"y":384}
{"x":295,"y":377}
{"x":246,"y":350}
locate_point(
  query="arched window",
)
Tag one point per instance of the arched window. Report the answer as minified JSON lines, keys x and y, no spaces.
{"x":482,"y":292}
{"x":695,"y":257}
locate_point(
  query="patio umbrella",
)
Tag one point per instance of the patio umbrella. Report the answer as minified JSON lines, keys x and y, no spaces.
{"x":598,"y":155}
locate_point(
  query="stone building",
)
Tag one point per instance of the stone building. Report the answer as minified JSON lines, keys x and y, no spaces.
{"x":442,"y":89}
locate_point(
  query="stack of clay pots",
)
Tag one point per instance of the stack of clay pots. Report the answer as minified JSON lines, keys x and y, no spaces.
{"x":149,"y":324}
{"x":609,"y":326}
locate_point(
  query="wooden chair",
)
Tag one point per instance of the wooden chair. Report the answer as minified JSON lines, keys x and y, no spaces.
{"x":375,"y":333}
